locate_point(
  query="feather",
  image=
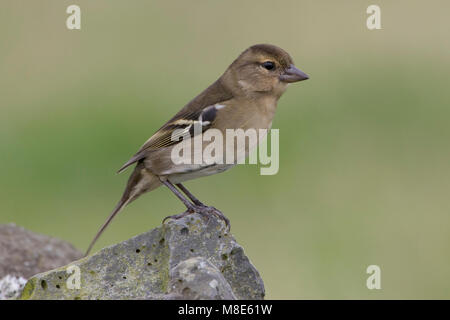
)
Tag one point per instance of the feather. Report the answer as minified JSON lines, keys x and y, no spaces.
{"x":140,"y":181}
{"x":202,"y":109}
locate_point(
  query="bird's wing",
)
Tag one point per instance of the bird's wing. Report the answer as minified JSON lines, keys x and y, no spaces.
{"x":178,"y":128}
{"x":181,"y":126}
{"x":200,"y":112}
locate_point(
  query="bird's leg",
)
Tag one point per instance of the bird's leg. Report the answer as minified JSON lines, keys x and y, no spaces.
{"x":202,"y":208}
{"x":190,"y":207}
{"x":198,"y":206}
{"x":190,"y":195}
{"x":180,"y":196}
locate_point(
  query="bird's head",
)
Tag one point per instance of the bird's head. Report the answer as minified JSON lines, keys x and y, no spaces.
{"x":262,"y":69}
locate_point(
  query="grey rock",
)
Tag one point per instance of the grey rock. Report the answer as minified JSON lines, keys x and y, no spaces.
{"x":198,"y":279}
{"x":189,"y":258}
{"x":11,"y":287}
{"x":24,"y":253}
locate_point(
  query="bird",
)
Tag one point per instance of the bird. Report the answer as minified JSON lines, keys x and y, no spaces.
{"x":244,"y":97}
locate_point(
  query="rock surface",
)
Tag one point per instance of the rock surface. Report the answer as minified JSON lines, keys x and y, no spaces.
{"x":11,"y":287}
{"x":198,"y":279}
{"x":24,"y":253}
{"x":189,"y":258}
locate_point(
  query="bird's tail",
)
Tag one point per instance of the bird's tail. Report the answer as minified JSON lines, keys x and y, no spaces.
{"x":122,"y":203}
{"x":140,"y":181}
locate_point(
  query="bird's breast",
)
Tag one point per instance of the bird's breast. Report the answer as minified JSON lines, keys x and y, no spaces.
{"x":251,"y":114}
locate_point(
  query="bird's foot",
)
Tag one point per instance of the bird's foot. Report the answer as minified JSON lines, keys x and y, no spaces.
{"x":204,"y":211}
{"x":208,"y":210}
{"x":178,"y":216}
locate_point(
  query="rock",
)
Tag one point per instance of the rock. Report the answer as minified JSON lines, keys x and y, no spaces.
{"x":198,"y":279}
{"x":24,"y":253}
{"x":11,"y":287}
{"x":189,"y":258}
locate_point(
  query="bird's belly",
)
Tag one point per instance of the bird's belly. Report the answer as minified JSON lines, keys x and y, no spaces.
{"x":195,"y":172}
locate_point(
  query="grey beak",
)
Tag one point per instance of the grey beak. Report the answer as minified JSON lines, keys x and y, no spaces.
{"x":292,"y":74}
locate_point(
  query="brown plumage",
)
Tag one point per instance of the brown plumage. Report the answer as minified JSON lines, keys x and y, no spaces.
{"x":244,"y":97}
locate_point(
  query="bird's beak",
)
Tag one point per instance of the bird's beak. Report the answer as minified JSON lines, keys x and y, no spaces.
{"x":292,"y":74}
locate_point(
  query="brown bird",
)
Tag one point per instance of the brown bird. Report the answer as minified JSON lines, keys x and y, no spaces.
{"x":244,"y":97}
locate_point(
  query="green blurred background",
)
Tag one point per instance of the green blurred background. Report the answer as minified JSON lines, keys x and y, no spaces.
{"x":364,"y":153}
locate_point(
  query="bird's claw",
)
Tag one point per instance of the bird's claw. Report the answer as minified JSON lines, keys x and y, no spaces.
{"x":177,"y":216}
{"x":204,"y":211}
{"x":219,"y":214}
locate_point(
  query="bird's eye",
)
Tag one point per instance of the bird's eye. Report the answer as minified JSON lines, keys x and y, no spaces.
{"x":269,"y":65}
